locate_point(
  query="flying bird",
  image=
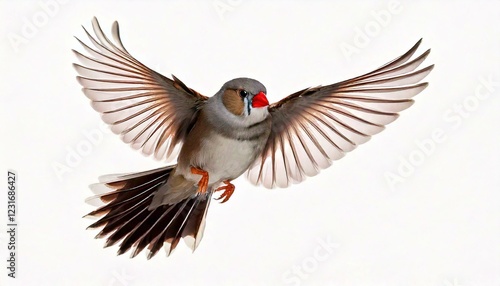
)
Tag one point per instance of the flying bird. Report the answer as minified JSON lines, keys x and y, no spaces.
{"x":217,"y":139}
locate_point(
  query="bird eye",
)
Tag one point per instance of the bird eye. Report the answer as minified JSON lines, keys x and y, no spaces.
{"x":243,"y":93}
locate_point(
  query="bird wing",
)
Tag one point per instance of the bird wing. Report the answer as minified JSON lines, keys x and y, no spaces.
{"x":150,"y":111}
{"x":315,"y":126}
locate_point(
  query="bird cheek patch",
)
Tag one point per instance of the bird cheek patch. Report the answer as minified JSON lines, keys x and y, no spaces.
{"x":233,"y":102}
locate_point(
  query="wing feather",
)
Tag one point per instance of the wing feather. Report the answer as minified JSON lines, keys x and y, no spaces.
{"x":149,"y":111}
{"x":316,"y":126}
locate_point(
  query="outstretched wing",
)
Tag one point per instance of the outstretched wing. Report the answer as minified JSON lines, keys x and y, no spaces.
{"x":315,"y":126}
{"x":151,"y":112}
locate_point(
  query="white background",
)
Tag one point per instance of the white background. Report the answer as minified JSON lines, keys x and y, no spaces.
{"x":438,"y":225}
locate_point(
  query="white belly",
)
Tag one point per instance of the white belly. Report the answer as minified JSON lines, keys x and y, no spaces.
{"x":223,"y":158}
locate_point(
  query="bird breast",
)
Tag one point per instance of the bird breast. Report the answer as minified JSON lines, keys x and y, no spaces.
{"x":226,"y":158}
{"x":225,"y":152}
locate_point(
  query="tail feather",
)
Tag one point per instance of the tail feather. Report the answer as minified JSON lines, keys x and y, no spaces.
{"x":142,"y":236}
{"x":174,"y":222}
{"x":195,"y":226}
{"x":125,"y":215}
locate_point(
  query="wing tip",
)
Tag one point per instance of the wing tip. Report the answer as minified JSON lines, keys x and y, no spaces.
{"x":80,"y":80}
{"x":94,"y":21}
{"x":423,"y":85}
{"x":77,"y":67}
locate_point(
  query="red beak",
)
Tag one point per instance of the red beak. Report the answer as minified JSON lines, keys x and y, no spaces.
{"x":259,"y":100}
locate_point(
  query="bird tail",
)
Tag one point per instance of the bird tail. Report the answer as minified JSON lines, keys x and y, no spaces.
{"x":125,"y":215}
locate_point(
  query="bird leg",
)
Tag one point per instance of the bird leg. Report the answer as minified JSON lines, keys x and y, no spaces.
{"x":228,"y":191}
{"x":203,"y":183}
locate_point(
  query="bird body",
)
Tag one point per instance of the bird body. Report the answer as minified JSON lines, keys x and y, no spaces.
{"x":217,"y":139}
{"x":222,"y":142}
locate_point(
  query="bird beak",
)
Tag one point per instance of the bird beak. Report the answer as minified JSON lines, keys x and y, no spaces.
{"x":260,"y":100}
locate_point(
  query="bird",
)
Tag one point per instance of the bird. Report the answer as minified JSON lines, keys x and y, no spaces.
{"x":216,"y":139}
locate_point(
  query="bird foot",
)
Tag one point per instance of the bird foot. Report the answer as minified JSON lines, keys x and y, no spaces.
{"x":228,"y":191}
{"x":203,"y":183}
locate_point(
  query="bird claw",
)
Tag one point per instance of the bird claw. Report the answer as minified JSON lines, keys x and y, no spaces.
{"x":228,"y":191}
{"x":203,"y":183}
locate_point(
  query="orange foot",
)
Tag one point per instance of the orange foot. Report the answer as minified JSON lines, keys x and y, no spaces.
{"x":228,"y":191}
{"x":203,"y":183}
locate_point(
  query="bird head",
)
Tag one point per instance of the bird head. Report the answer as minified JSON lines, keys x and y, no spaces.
{"x":244,"y":97}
